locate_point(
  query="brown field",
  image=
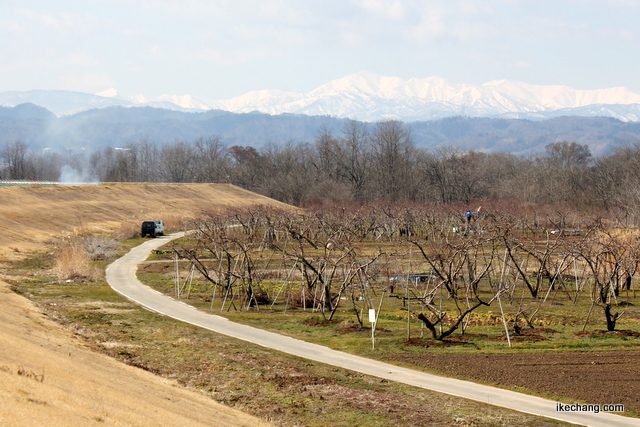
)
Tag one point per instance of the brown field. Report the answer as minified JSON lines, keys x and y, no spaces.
{"x":609,"y":377}
{"x":51,"y":378}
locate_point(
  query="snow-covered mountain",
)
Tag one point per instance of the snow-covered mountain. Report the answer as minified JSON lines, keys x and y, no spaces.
{"x":370,"y":97}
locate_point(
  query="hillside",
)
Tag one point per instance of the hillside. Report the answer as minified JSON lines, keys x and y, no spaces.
{"x":96,"y":129}
{"x":117,"y":126}
{"x":50,"y":377}
{"x":30,"y":216}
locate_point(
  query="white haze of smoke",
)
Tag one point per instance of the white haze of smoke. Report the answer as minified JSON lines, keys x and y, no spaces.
{"x":71,"y":176}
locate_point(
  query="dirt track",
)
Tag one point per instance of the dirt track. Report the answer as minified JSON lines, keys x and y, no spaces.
{"x":48,"y":377}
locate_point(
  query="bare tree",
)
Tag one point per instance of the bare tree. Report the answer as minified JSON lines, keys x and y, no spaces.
{"x":211,"y":160}
{"x":563,"y":173}
{"x":18,"y":162}
{"x":393,"y":151}
{"x":291,"y":172}
{"x":353,"y":155}
{"x":610,"y":263}
{"x":459,"y":266}
{"x":177,"y":161}
{"x":147,"y":160}
{"x":328,"y":155}
{"x":247,"y":168}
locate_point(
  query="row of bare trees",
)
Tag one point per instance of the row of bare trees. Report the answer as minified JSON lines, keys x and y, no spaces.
{"x":19,"y":162}
{"x":362,"y":164}
{"x":349,"y":258}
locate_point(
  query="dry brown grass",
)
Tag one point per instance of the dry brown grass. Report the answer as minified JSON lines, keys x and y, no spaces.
{"x":128,"y":230}
{"x":72,"y":261}
{"x":73,"y":255}
{"x":30,"y":216}
{"x":50,"y":378}
{"x":81,"y":387}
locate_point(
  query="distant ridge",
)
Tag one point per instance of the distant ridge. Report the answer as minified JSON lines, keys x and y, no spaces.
{"x":115,"y":126}
{"x":370,"y":97}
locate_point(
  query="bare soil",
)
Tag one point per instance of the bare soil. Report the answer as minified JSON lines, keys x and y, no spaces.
{"x":51,"y":378}
{"x":611,"y":377}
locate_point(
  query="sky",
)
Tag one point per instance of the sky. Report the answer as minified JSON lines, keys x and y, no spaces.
{"x":219,"y":49}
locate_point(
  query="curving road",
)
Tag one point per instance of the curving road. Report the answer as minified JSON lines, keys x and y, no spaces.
{"x":121,"y":276}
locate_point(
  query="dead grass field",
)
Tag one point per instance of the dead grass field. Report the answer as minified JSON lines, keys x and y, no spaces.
{"x":32,"y":215}
{"x":48,"y":376}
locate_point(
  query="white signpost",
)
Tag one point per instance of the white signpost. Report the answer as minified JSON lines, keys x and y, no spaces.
{"x":372,"y":320}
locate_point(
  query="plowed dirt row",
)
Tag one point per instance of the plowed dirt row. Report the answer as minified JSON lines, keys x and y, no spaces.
{"x":601,"y":378}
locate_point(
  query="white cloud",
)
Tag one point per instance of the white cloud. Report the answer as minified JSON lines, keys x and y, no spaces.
{"x":155,"y":51}
{"x":353,"y":39}
{"x":620,"y":34}
{"x":550,"y":28}
{"x":61,"y":22}
{"x":631,"y":3}
{"x":432,"y":23}
{"x":457,"y":20}
{"x":41,"y":20}
{"x":393,"y":9}
{"x":250,"y":39}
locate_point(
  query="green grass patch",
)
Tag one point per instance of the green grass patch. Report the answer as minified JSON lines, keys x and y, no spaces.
{"x":558,"y":327}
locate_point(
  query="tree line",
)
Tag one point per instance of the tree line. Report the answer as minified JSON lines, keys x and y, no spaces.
{"x":361,"y":164}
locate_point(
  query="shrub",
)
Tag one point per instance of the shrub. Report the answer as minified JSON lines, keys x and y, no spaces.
{"x":74,"y":255}
{"x":72,"y":261}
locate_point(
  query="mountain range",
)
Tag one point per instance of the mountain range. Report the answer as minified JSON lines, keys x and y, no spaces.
{"x":369,"y":97}
{"x":118,"y":126}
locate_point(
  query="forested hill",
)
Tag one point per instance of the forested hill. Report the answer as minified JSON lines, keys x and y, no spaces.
{"x":118,"y":126}
{"x":601,"y":134}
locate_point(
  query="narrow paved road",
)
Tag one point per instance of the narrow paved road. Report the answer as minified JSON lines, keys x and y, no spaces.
{"x":121,"y":276}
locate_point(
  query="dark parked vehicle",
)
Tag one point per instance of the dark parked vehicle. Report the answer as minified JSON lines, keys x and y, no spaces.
{"x":152,"y":228}
{"x":413,"y":277}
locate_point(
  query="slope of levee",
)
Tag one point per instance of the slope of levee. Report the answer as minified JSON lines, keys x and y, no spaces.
{"x":49,"y":376}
